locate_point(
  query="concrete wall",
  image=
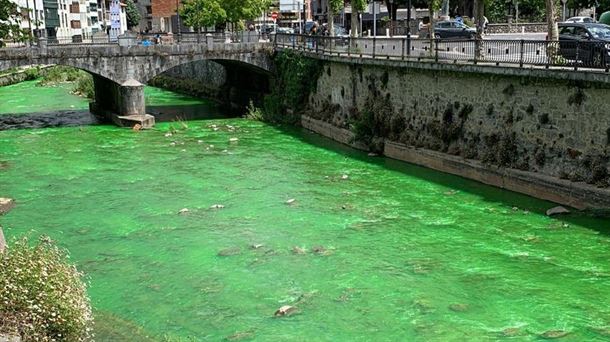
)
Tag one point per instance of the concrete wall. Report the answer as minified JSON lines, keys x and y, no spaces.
{"x":553,"y":127}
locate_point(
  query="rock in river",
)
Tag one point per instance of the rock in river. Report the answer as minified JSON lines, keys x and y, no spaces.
{"x":298,"y":250}
{"x":557,"y":211}
{"x":6,"y":204}
{"x":553,"y":334}
{"x":285,"y":310}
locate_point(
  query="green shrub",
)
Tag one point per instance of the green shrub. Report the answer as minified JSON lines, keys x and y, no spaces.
{"x":42,"y":296}
{"x":61,"y":74}
{"x":84,"y":86}
{"x":32,"y":73}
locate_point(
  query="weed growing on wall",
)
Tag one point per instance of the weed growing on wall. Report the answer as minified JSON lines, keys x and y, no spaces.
{"x":42,"y":296}
{"x":297,"y":77}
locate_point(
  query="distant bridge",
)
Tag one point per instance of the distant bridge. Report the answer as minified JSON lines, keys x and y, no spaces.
{"x":120,"y":72}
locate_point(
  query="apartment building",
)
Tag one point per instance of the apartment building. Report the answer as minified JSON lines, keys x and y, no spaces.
{"x":32,"y":18}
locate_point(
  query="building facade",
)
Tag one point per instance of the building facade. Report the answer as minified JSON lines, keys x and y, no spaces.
{"x":165,"y":15}
{"x":32,"y":16}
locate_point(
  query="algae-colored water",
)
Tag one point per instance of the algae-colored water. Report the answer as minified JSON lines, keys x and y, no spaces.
{"x":29,"y":97}
{"x":403,"y":253}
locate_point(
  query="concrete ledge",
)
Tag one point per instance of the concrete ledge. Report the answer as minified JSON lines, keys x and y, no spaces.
{"x":341,"y":135}
{"x":576,"y":195}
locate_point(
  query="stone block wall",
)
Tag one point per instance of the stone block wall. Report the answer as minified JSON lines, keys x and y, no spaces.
{"x":551,"y":126}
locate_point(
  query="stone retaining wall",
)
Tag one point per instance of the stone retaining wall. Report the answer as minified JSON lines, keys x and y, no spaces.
{"x":556,"y":128}
{"x":517,"y":28}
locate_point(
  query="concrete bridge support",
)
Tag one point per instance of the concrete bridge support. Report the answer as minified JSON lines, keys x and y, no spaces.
{"x":123,"y":103}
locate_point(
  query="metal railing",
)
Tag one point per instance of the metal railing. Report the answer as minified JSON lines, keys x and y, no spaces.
{"x":148,"y":39}
{"x":521,"y":53}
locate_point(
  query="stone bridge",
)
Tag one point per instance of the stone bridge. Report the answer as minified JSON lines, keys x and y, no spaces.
{"x":120,"y":72}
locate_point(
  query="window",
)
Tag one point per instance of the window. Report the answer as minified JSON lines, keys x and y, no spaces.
{"x":581,"y":32}
{"x":567,"y":30}
{"x":74,"y":8}
{"x":75,"y":24}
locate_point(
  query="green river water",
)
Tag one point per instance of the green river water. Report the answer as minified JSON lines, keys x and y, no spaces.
{"x":402,"y":253}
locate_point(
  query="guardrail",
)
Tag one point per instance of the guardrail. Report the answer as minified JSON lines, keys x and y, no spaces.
{"x":521,"y":53}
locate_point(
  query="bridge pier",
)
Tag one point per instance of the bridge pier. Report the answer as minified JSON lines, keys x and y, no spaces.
{"x":122,"y":103}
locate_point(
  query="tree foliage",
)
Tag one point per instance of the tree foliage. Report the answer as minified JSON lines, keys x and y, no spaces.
{"x":132,"y":13}
{"x":9,"y":27}
{"x":206,"y":13}
{"x":202,"y":13}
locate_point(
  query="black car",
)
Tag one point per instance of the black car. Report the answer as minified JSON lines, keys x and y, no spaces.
{"x":588,"y":43}
{"x":453,"y":29}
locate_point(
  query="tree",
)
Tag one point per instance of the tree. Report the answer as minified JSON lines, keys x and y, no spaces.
{"x":202,"y":13}
{"x":240,"y":10}
{"x":480,"y":20}
{"x":334,"y":6}
{"x":9,"y":26}
{"x":358,"y":6}
{"x":132,"y":13}
{"x":551,"y":19}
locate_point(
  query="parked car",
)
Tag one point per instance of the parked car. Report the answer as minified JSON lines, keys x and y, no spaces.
{"x":580,"y":20}
{"x":453,"y":29}
{"x":585,"y":42}
{"x":285,"y":30}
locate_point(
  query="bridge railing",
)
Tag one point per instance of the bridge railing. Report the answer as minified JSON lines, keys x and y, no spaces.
{"x":521,"y":53}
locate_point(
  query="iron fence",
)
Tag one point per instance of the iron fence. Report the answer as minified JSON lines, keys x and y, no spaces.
{"x":573,"y":54}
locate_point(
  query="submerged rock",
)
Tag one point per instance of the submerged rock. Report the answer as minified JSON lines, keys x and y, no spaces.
{"x":557,"y":211}
{"x":229,"y":251}
{"x":553,"y":334}
{"x":319,"y":249}
{"x":298,"y":250}
{"x":511,"y":332}
{"x":285,"y":310}
{"x":603,"y":331}
{"x":459,"y":307}
{"x":241,"y":335}
{"x":6,"y":204}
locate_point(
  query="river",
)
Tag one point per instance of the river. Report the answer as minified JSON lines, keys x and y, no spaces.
{"x":367,"y":248}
